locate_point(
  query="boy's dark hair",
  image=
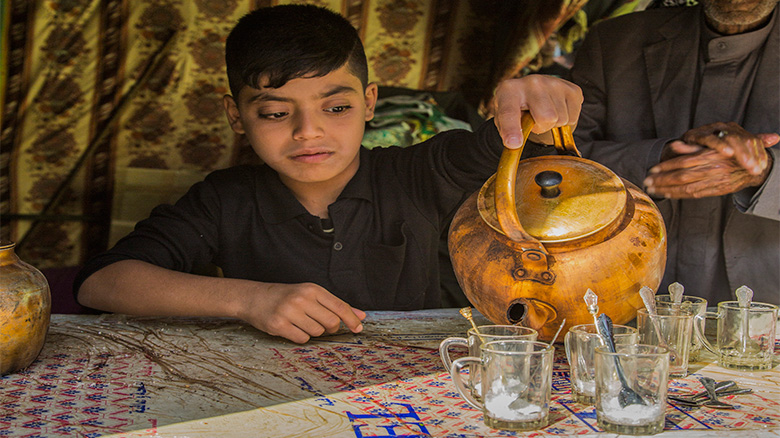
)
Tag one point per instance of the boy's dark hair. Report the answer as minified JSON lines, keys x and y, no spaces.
{"x":291,"y":41}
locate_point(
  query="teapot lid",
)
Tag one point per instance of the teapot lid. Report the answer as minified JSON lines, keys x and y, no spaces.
{"x":560,"y":198}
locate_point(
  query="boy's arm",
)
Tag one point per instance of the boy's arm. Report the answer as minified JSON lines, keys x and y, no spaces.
{"x":552,"y":102}
{"x":294,"y":311}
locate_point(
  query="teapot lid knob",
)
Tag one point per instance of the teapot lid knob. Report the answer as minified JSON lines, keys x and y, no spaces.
{"x":549,"y":180}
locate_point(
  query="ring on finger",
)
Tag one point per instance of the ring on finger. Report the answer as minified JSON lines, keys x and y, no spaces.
{"x":721,"y":133}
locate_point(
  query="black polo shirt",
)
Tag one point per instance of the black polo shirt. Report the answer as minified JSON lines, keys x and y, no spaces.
{"x":379,"y":252}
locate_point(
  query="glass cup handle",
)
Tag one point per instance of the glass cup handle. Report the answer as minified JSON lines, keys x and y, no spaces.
{"x":444,"y":349}
{"x":460,"y":385}
{"x":698,"y":326}
{"x":567,"y":346}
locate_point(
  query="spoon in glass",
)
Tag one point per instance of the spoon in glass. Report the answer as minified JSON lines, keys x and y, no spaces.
{"x":592,"y":301}
{"x":648,"y":297}
{"x":466,"y":313}
{"x":520,"y":402}
{"x":744,"y":297}
{"x":626,"y":396}
{"x":676,"y":291}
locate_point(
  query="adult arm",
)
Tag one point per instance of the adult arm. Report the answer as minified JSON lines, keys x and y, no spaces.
{"x":710,"y":162}
{"x":618,"y":128}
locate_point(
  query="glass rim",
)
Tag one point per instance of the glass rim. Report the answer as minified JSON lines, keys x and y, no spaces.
{"x":754,"y":305}
{"x":689,"y":298}
{"x":527,"y":330}
{"x":490,"y":346}
{"x":688,"y":313}
{"x":650,"y":350}
{"x":578,"y":327}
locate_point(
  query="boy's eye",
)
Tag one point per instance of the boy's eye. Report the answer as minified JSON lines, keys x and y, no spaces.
{"x":339,"y":108}
{"x":275,"y":115}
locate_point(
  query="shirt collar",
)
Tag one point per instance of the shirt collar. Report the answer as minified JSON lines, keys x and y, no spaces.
{"x":360,"y":184}
{"x":720,"y":48}
{"x":277,"y":203}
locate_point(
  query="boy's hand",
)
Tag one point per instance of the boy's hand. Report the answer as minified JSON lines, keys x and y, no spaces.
{"x":553,"y":102}
{"x":301,"y":311}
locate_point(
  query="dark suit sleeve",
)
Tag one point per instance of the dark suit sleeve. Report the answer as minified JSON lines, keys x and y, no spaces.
{"x":630,"y":158}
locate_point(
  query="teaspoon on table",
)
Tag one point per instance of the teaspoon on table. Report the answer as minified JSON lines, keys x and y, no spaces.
{"x":713,"y":402}
{"x":720,"y":388}
{"x":702,"y":397}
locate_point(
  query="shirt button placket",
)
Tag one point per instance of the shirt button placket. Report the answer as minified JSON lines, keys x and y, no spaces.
{"x":337,"y":246}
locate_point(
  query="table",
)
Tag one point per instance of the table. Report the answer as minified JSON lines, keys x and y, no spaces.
{"x":122,"y":376}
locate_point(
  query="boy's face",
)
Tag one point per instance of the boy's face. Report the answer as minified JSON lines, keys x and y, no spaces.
{"x":310,"y":129}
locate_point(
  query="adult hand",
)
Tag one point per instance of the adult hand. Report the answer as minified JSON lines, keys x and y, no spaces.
{"x":733,"y":141}
{"x":697,"y":172}
{"x":552,"y":102}
{"x":300,"y":311}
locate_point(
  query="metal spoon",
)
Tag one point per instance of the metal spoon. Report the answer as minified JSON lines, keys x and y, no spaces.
{"x":626,"y":396}
{"x":520,"y":402}
{"x":713,"y":402}
{"x":560,"y":327}
{"x":592,"y":301}
{"x":699,"y":400}
{"x":720,"y":387}
{"x":466,"y":313}
{"x":745,"y":296}
{"x":676,"y":291}
{"x":648,"y":297}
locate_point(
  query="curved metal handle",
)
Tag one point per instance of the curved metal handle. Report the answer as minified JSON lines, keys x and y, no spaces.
{"x":506,"y":178}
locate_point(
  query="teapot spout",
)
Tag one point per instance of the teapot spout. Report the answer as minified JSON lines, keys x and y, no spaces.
{"x":533,"y":313}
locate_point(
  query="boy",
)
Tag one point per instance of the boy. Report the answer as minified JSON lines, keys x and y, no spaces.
{"x":324,"y":224}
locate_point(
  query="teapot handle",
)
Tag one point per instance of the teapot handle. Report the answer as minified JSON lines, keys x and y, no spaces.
{"x":506,"y":178}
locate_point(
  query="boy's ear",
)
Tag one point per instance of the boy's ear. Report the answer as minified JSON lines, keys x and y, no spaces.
{"x":372,"y":93}
{"x":233,"y":116}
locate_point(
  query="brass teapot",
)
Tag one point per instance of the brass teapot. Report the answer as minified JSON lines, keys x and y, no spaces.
{"x":542,"y":231}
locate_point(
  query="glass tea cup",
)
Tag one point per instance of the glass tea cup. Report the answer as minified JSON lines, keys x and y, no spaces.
{"x":696,"y":305}
{"x":745,"y":335}
{"x":640,"y":369}
{"x":580,"y":343}
{"x":676,"y":328}
{"x":516,"y":383}
{"x":487,"y":333}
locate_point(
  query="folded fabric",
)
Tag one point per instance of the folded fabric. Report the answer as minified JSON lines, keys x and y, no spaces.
{"x":406,"y":120}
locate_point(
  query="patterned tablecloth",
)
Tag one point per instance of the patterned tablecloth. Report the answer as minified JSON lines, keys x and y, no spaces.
{"x":122,"y":376}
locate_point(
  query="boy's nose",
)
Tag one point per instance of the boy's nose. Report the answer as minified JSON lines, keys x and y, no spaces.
{"x":307,"y":126}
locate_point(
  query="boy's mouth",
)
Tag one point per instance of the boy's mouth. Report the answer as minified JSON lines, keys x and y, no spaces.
{"x":312,"y":156}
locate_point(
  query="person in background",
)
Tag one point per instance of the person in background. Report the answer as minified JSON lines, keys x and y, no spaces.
{"x":685,"y":102}
{"x":324,"y":229}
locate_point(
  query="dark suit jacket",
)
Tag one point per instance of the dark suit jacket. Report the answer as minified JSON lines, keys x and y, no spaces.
{"x":637,"y":74}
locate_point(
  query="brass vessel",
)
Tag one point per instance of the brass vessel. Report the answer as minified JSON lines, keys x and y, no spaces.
{"x":542,"y":231}
{"x":25,"y":310}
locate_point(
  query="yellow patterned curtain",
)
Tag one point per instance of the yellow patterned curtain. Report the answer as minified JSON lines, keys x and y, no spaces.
{"x":112,"y":106}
